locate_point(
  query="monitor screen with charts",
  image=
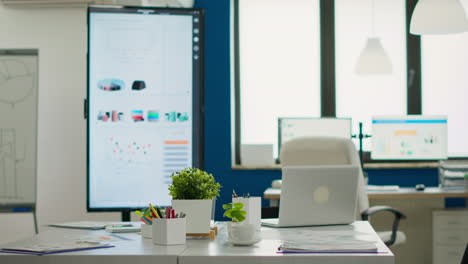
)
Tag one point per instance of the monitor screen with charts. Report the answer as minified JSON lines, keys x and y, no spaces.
{"x":144,"y":103}
{"x":409,"y":137}
{"x":289,"y":128}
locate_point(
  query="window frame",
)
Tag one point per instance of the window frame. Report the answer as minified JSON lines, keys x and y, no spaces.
{"x":328,"y":73}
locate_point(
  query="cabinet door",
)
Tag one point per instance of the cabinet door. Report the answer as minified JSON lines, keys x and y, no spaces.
{"x":448,"y":254}
{"x":450,"y":236}
{"x":453,"y":220}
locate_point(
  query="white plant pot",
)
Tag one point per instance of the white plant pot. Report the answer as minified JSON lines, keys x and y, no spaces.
{"x":243,"y":234}
{"x":198,"y":214}
{"x":146,"y":230}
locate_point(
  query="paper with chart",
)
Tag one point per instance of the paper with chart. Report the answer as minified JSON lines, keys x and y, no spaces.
{"x":18,"y":129}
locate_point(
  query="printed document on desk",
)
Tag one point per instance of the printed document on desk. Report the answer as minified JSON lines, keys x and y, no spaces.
{"x":51,"y":248}
{"x":82,"y":225}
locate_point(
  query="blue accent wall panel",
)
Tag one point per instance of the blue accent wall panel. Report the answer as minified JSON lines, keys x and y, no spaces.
{"x":404,"y":177}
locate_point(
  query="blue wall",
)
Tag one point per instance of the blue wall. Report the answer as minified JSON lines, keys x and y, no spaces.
{"x":218,"y":120}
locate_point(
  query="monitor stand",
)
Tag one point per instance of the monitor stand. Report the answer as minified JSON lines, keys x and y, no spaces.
{"x":126,"y":216}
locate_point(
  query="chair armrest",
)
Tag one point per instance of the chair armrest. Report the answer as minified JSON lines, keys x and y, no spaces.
{"x":398,"y":215}
{"x":380,"y":208}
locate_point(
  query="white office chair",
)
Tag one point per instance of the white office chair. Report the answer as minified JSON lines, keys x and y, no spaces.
{"x":304,"y":151}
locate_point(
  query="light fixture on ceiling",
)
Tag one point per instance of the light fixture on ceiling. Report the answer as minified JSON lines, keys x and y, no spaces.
{"x":373,"y":59}
{"x":438,"y":17}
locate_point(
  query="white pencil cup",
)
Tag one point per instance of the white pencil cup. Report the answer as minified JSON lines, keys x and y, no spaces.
{"x":146,"y":230}
{"x":169,"y":232}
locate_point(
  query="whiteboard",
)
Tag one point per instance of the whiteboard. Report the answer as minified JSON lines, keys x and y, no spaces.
{"x":18,"y":127}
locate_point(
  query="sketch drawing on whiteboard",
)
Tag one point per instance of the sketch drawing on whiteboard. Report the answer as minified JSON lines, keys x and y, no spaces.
{"x":8,"y":163}
{"x":16,"y":81}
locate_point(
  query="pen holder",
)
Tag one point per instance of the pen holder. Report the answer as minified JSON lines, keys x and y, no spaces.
{"x":253,"y":207}
{"x":168,"y":231}
{"x":146,"y":230}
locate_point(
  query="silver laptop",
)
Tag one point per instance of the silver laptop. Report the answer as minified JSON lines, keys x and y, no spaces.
{"x":317,"y":195}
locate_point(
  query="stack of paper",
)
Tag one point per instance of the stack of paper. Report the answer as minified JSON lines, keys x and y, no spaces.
{"x":308,"y":241}
{"x":360,"y":247}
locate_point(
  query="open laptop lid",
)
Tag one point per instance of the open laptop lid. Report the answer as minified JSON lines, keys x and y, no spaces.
{"x":318,"y":195}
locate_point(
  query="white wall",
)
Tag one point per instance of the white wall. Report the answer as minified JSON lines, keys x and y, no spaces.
{"x":60,"y":35}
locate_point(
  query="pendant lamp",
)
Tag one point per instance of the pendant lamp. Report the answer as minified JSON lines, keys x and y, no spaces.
{"x":373,"y":59}
{"x":438,"y":17}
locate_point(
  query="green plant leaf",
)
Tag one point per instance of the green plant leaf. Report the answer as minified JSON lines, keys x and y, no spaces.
{"x":228,"y":214}
{"x":193,"y":183}
{"x":234,"y":211}
{"x":239,"y":206}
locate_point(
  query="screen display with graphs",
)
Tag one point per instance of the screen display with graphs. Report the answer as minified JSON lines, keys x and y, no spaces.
{"x":409,"y":137}
{"x":144,"y":103}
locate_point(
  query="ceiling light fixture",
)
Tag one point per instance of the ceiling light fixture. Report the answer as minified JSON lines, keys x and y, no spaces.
{"x":373,"y":59}
{"x":438,"y":17}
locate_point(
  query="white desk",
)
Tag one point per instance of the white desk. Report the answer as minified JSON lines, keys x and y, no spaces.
{"x":135,"y":251}
{"x":200,"y":251}
{"x":220,"y":251}
{"x":274,"y":195}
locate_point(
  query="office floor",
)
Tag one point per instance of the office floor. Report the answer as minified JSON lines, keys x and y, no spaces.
{"x":418,"y":228}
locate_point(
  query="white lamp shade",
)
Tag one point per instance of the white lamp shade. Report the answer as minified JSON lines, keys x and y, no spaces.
{"x":373,"y":59}
{"x":438,"y":17}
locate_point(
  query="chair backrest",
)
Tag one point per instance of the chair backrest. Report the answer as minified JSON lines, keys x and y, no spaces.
{"x":307,"y":151}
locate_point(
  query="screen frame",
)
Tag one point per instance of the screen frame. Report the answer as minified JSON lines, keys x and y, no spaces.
{"x":308,"y":118}
{"x":197,"y":92}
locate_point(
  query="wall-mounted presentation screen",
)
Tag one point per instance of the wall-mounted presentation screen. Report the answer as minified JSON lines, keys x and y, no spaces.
{"x":409,"y":137}
{"x":289,"y":128}
{"x":144,"y":103}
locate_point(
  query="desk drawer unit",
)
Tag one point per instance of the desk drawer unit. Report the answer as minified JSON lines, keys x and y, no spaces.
{"x":450,"y":236}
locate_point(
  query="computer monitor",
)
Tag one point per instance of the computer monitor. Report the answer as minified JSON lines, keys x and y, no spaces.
{"x":144,"y":110}
{"x":289,"y":128}
{"x":418,"y":137}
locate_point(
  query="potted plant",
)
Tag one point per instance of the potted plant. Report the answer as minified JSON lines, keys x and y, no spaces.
{"x":193,"y":192}
{"x":466,"y":181}
{"x":240,"y":232}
